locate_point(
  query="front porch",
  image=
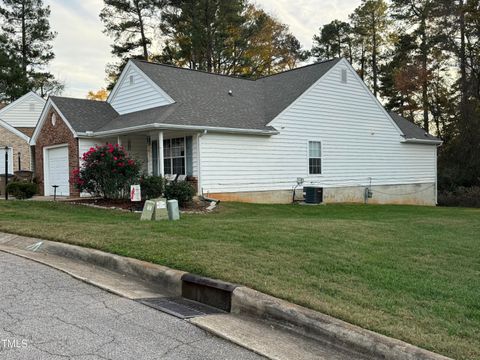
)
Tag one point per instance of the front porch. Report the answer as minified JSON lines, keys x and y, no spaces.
{"x":161,"y":153}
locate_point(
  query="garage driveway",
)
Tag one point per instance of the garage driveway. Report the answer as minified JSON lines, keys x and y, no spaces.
{"x":46,"y":314}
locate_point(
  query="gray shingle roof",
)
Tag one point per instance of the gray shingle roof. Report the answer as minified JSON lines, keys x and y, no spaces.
{"x":201,"y":99}
{"x":410,"y":130}
{"x":85,"y":115}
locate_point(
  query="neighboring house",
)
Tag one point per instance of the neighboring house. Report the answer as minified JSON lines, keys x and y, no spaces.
{"x":17,"y":123}
{"x":246,"y":140}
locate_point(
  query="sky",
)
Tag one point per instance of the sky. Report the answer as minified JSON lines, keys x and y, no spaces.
{"x":82,"y":50}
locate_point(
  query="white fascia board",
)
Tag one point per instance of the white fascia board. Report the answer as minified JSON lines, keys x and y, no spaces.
{"x":127,"y":68}
{"x":21,"y":99}
{"x":157,"y":126}
{"x":43,"y":118}
{"x":10,"y":128}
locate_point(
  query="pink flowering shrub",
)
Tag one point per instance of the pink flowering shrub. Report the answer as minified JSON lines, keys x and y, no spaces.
{"x":106,"y":171}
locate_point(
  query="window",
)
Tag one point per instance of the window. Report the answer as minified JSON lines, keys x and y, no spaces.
{"x":132,"y":80}
{"x":174,"y":156}
{"x":54,"y":119}
{"x":314,"y":157}
{"x":32,"y":106}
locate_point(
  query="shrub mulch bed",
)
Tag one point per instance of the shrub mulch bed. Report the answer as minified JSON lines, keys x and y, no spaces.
{"x":196,"y":206}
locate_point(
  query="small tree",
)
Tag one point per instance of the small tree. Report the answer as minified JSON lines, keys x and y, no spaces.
{"x":107,"y":171}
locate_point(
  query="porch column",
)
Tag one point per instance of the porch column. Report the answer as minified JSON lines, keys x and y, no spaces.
{"x":160,"y":154}
{"x":119,"y":141}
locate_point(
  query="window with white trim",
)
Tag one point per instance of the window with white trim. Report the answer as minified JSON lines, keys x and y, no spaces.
{"x":314,"y":157}
{"x":174,"y":158}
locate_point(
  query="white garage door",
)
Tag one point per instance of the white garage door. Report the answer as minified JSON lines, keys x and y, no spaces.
{"x":56,"y":171}
{"x":2,"y":161}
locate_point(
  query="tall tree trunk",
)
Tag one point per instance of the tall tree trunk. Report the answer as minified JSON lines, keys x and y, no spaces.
{"x":424,"y":59}
{"x":374,"y":56}
{"x":142,"y":30}
{"x":24,"y":41}
{"x":362,"y":62}
{"x":209,"y":40}
{"x":350,"y":55}
{"x":462,"y":55}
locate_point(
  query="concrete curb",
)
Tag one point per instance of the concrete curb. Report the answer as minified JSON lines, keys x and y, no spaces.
{"x":168,"y":279}
{"x":326,"y":328}
{"x":309,"y":323}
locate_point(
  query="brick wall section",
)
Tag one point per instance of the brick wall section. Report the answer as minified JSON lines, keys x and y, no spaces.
{"x":26,"y":130}
{"x":19,"y":145}
{"x":55,"y":135}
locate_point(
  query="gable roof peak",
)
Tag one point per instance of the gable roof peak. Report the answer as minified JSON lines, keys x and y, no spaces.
{"x":136,"y":61}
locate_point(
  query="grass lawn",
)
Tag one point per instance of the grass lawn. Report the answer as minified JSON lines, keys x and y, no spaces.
{"x":408,"y":272}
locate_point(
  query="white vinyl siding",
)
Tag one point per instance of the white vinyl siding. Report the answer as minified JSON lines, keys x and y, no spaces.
{"x":25,"y":112}
{"x":135,"y":93}
{"x":359,"y":142}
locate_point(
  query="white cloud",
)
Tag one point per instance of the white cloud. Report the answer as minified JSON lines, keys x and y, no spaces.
{"x":306,"y":16}
{"x":82,"y":50}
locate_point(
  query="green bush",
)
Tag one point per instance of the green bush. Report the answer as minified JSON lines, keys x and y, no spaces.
{"x":22,"y":190}
{"x":152,"y":186}
{"x":107,"y":171}
{"x":181,"y":191}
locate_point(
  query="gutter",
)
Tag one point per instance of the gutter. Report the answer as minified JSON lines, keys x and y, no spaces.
{"x":157,"y":126}
{"x":423,"y":141}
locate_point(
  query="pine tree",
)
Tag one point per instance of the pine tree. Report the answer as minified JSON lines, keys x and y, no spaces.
{"x":228,"y":37}
{"x":28,"y":38}
{"x":334,"y":40}
{"x":10,"y":73}
{"x":421,"y":18}
{"x":399,"y":78}
{"x":371,"y":23}
{"x":131,"y":25}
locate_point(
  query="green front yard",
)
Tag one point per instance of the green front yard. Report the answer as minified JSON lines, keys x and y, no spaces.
{"x":408,"y":272}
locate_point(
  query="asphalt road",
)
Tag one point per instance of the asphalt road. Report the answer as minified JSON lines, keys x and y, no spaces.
{"x":46,"y":314}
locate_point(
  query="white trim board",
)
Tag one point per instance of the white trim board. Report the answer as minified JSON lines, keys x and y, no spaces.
{"x":17,"y":132}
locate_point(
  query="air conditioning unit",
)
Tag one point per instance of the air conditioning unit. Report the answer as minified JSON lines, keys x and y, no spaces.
{"x":313,"y":195}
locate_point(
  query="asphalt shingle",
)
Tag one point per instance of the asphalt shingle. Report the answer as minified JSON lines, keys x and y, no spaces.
{"x":211,"y":100}
{"x":201,"y":99}
{"x":410,"y":130}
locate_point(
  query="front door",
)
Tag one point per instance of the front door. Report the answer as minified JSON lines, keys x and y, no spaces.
{"x":156,"y":171}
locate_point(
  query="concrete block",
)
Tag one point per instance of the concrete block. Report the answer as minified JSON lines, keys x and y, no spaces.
{"x":161,"y":212}
{"x":148,"y":210}
{"x":173,"y":211}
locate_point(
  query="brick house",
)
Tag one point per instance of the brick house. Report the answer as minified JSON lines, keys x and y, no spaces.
{"x":17,"y":124}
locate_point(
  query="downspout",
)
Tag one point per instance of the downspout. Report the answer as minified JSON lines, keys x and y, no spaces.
{"x":199,"y":136}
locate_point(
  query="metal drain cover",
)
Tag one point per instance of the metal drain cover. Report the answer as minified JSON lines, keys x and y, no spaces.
{"x":181,"y":307}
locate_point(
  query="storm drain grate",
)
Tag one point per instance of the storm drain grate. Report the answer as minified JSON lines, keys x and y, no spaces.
{"x":180,"y":307}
